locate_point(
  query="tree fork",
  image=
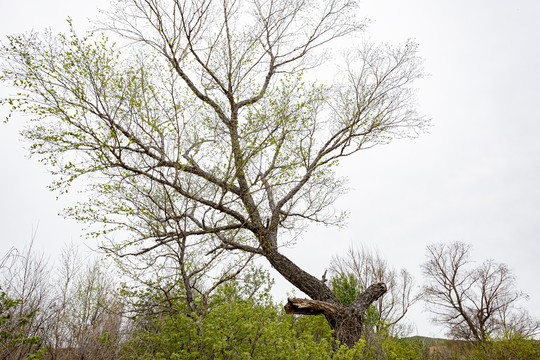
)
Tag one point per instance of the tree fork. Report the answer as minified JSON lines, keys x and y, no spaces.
{"x":346,"y":321}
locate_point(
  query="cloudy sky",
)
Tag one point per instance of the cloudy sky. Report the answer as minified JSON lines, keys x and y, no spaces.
{"x":474,"y":177}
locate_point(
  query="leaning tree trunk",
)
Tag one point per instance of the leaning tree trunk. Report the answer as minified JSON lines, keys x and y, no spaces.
{"x":346,"y":321}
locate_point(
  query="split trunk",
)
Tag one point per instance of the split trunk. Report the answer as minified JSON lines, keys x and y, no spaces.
{"x":346,"y":321}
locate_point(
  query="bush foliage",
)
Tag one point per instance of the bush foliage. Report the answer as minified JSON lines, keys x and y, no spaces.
{"x":14,"y":340}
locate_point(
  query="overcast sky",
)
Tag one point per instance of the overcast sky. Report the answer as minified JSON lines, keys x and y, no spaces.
{"x":475,"y":177}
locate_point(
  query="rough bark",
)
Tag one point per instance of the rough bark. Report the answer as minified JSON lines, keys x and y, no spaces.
{"x":301,"y":279}
{"x":346,"y":321}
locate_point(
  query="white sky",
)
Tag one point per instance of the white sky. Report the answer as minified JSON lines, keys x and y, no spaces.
{"x":475,"y":177}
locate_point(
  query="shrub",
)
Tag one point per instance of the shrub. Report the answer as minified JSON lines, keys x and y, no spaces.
{"x":13,"y":341}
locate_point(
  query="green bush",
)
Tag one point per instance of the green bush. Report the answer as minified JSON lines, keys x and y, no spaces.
{"x":232,"y":329}
{"x":14,"y":342}
{"x":240,"y":324}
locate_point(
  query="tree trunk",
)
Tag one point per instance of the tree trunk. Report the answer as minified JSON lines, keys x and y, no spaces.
{"x":301,"y":279}
{"x":346,"y":321}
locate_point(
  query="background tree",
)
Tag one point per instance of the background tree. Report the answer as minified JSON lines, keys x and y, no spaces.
{"x":19,"y":335}
{"x":475,"y":303}
{"x":25,"y":302}
{"x":89,"y":311}
{"x":206,"y":138}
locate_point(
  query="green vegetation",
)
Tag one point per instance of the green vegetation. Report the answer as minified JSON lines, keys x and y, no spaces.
{"x":238,"y":325}
{"x":241,"y":321}
{"x":14,"y":339}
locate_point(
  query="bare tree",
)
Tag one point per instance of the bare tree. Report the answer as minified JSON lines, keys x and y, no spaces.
{"x":369,"y":267}
{"x":86,"y":312}
{"x":473,"y":302}
{"x":95,"y":311}
{"x":205,"y":138}
{"x":60,"y":337}
{"x":23,"y":278}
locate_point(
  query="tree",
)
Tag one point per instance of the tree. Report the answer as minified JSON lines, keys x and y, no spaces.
{"x":24,"y":303}
{"x":369,"y":267}
{"x":88,"y":311}
{"x":206,"y":139}
{"x":475,"y":303}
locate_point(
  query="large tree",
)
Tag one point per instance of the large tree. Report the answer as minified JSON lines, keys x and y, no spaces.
{"x":211,"y":134}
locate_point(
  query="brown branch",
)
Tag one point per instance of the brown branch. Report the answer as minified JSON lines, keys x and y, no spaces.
{"x":310,"y":307}
{"x":371,"y":294}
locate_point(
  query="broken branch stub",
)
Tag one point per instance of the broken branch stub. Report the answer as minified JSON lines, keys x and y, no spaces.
{"x":310,"y":307}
